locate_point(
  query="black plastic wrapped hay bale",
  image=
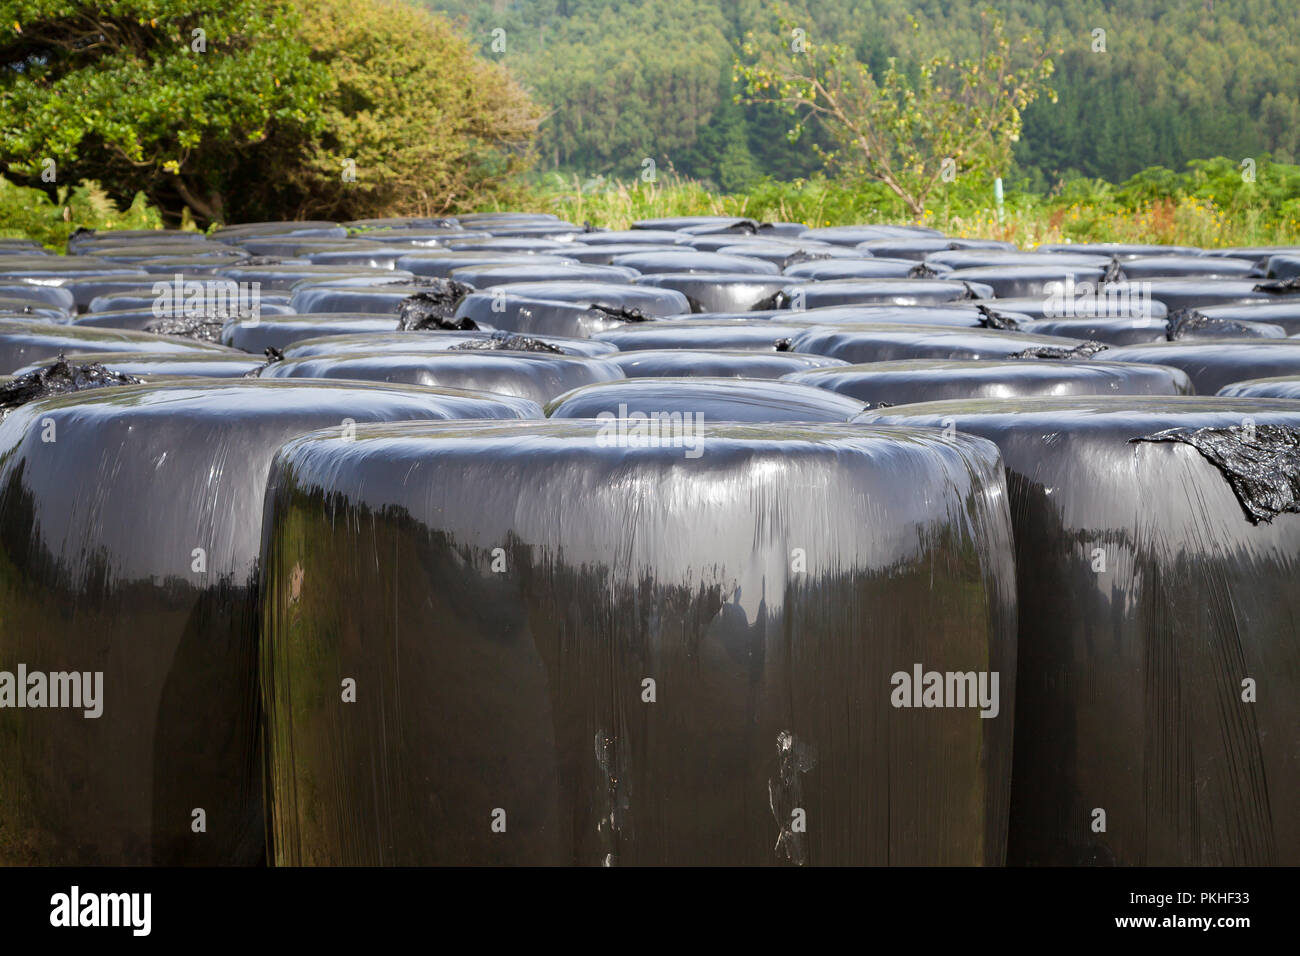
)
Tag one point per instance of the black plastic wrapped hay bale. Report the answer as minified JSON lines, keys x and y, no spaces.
{"x":1212,"y":365}
{"x":535,"y":375}
{"x":873,"y":267}
{"x":619,"y":655}
{"x":1112,"y":331}
{"x":879,"y":343}
{"x":760,"y":335}
{"x":439,"y":263}
{"x":880,"y":292}
{"x":22,"y":343}
{"x":1016,"y":281}
{"x":1157,"y":699}
{"x":1201,"y":267}
{"x":130,"y":522}
{"x":908,"y":381}
{"x":720,"y":291}
{"x":489,"y":276}
{"x":694,"y":261}
{"x":282,"y":331}
{"x":530,"y":316}
{"x":1281,"y":386}
{"x":615,"y":299}
{"x":151,"y":366}
{"x":431,"y":341}
{"x":717,"y":363}
{"x":704,"y":400}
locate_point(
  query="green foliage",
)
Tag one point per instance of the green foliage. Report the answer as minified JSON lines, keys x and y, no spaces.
{"x":32,"y":214}
{"x":128,"y":93}
{"x":907,"y":132}
{"x":1205,"y":206}
{"x":240,"y":110}
{"x":1177,"y":81}
{"x":417,"y":121}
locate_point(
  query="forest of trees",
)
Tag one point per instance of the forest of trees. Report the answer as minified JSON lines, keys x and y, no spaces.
{"x":627,"y":80}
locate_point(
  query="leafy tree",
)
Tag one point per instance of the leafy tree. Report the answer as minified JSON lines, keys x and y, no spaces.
{"x":959,"y":116}
{"x":166,"y":96}
{"x":413,"y":121}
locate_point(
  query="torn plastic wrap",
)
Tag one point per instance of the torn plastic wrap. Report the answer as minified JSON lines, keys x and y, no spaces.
{"x":872,"y":268}
{"x":1068,"y":304}
{"x":1157,"y":699}
{"x":927,"y":380}
{"x":428,"y":341}
{"x":25,"y":342}
{"x":1212,"y":365}
{"x":1113,"y":332}
{"x":385,"y":297}
{"x":615,"y":299}
{"x":151,"y":366}
{"x":867,"y":343}
{"x":600,"y":654}
{"x":880,"y":292}
{"x":720,"y":291}
{"x":1284,"y":312}
{"x":538,"y":376}
{"x":1014,"y":281}
{"x":717,"y":363}
{"x":1193,"y":293}
{"x":541,"y":316}
{"x":130,"y":521}
{"x":1191,"y":324}
{"x":60,"y":377}
{"x":703,"y":400}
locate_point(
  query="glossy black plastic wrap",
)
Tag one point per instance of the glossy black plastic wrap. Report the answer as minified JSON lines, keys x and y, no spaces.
{"x":873,"y":267}
{"x":439,"y":263}
{"x":490,"y":275}
{"x":928,"y":380}
{"x":282,"y":331}
{"x":562,"y":650}
{"x":282,"y":277}
{"x":717,"y":363}
{"x":616,"y":299}
{"x":760,"y":335}
{"x":1214,"y":364}
{"x":720,"y":291}
{"x":1281,"y":386}
{"x":1014,"y":281}
{"x":129,"y":548}
{"x":541,"y":316}
{"x":881,"y":292}
{"x":537,"y":376}
{"x":1158,"y":695}
{"x":704,"y":400}
{"x":687,"y":260}
{"x":1112,"y":331}
{"x":867,"y":343}
{"x":1073,"y":303}
{"x":150,"y":366}
{"x":429,"y":341}
{"x":1284,"y":311}
{"x":22,"y":343}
